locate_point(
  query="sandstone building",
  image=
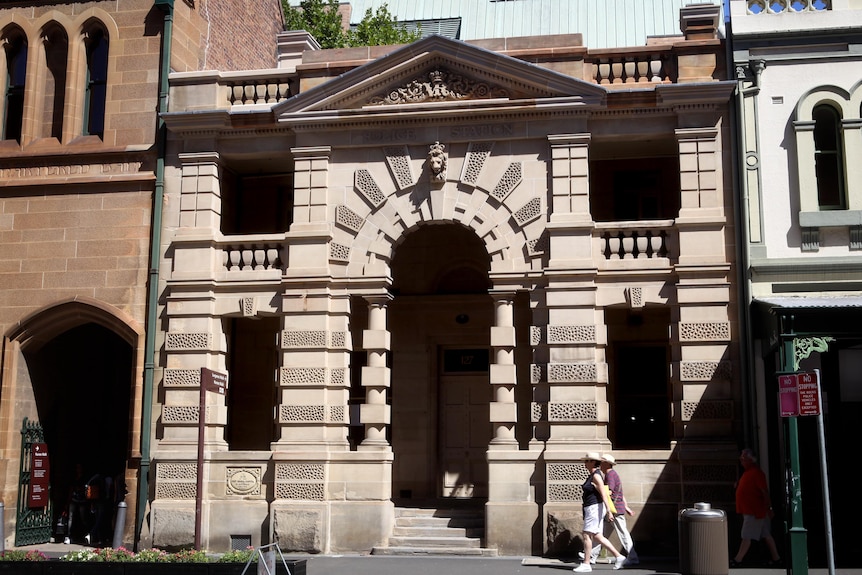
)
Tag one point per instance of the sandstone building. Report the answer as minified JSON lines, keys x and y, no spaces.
{"x":81,"y":174}
{"x":435,"y":275}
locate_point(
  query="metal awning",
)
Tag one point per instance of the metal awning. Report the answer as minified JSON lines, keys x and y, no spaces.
{"x":838,"y":316}
{"x":803,"y":302}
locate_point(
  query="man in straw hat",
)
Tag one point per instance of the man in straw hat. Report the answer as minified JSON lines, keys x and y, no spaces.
{"x":597,"y":505}
{"x":620,"y":510}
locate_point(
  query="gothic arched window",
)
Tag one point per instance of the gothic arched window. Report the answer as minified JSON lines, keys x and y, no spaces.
{"x":16,"y":70}
{"x":97,"y":81}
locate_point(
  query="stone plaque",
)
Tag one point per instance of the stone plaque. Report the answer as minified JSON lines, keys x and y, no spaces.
{"x":243,"y":481}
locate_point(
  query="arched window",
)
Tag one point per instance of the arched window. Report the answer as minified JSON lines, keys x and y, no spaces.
{"x":16,"y":70}
{"x":96,"y":90}
{"x":56,"y":45}
{"x":828,"y":158}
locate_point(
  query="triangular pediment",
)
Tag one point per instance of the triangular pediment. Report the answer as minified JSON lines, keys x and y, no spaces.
{"x":436,"y":70}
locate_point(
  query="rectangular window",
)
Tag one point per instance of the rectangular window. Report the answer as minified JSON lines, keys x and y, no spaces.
{"x":641,"y":402}
{"x":256,"y":204}
{"x":252,"y":384}
{"x":634,"y":189}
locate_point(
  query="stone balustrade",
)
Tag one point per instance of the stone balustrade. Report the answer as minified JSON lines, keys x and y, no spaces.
{"x":223,"y":90}
{"x":257,"y":91}
{"x":644,"y":240}
{"x":615,"y":68}
{"x":253,"y":255}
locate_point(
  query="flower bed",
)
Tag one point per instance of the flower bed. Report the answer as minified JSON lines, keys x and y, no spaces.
{"x":148,"y":562}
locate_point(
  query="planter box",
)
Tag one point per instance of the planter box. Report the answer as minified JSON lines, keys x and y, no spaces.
{"x":296,"y":566}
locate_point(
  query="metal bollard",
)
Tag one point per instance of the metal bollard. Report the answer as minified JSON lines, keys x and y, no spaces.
{"x":2,"y":528}
{"x":119,"y":525}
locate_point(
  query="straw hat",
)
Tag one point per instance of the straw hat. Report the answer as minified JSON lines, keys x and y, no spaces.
{"x":608,"y":458}
{"x":591,"y":456}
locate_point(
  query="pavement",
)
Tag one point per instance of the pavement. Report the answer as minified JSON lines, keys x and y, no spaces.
{"x":449,"y":565}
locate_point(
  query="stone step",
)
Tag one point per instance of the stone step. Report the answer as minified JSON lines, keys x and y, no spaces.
{"x":427,"y":521}
{"x":420,"y":541}
{"x":439,"y":511}
{"x":429,"y":531}
{"x":449,"y":551}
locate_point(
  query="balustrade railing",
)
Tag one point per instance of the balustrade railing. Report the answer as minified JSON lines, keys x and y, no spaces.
{"x":640,"y":241}
{"x":649,"y":68}
{"x":248,"y":256}
{"x":257,"y":91}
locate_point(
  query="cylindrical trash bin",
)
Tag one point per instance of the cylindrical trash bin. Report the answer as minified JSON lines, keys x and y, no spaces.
{"x":703,"y":541}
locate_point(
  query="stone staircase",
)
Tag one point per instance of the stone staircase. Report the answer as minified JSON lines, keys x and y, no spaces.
{"x":437,"y":531}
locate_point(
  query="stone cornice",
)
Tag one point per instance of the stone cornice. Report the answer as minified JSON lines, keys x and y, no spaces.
{"x":696,"y":93}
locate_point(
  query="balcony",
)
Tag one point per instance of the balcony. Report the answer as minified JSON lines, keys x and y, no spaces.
{"x":247,"y":258}
{"x":223,"y":90}
{"x":628,"y":68}
{"x":635,"y":246}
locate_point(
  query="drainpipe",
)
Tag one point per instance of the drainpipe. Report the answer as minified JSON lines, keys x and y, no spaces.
{"x":165,"y":6}
{"x":749,"y":395}
{"x":740,"y":203}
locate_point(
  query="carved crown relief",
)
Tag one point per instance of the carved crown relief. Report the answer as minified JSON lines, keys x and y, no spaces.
{"x":439,"y":85}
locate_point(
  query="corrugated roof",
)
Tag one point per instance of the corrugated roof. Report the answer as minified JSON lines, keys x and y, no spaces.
{"x":800,"y":302}
{"x":603,"y":23}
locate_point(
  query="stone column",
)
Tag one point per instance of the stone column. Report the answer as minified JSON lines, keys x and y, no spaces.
{"x":703,"y":343}
{"x":851,"y":131}
{"x":200,"y":192}
{"x":503,"y":410}
{"x":375,"y":413}
{"x":313,"y":380}
{"x":192,"y":343}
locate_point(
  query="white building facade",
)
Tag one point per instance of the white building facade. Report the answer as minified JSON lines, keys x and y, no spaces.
{"x":800,"y":131}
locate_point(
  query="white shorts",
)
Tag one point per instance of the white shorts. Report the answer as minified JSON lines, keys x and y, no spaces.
{"x":593,"y":515}
{"x":755,"y":529}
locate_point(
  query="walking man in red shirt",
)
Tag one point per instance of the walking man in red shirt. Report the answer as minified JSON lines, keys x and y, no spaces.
{"x":752,"y":502}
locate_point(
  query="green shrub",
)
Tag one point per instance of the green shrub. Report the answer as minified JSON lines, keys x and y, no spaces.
{"x":238,"y":556}
{"x":120,"y":554}
{"x":21,"y":555}
{"x":190,"y":556}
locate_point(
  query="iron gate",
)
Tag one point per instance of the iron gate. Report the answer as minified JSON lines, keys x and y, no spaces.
{"x":33,"y":524}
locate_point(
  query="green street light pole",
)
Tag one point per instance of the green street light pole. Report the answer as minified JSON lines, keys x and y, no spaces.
{"x":798,"y":536}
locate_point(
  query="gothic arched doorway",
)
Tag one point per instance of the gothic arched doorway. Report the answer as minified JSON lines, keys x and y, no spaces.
{"x":75,"y":374}
{"x":440,"y":323}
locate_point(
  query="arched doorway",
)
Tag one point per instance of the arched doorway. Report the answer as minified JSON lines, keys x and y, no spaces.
{"x":440,"y":324}
{"x":76,"y":367}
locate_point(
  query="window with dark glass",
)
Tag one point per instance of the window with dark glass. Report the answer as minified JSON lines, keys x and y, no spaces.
{"x":641,"y":405}
{"x":16,"y":70}
{"x":56,"y":46}
{"x":634,"y":189}
{"x":97,"y":82}
{"x":252,"y":361}
{"x":828,"y":158}
{"x":256,"y":204}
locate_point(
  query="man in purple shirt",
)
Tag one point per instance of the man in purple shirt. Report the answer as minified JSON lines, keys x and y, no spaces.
{"x":613,"y":481}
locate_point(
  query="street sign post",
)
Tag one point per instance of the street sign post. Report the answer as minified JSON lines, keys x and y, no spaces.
{"x":799,"y":395}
